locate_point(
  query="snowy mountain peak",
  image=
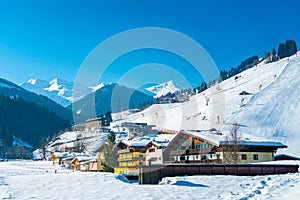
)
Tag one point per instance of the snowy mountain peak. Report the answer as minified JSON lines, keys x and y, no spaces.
{"x":97,"y":87}
{"x":163,"y":89}
{"x":54,"y":86}
{"x":32,"y":81}
{"x":58,"y":90}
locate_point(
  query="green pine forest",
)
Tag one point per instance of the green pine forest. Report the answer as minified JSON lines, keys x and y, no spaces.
{"x":27,"y":121}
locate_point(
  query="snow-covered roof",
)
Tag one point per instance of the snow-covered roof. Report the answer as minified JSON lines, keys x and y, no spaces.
{"x":67,"y":154}
{"x":221,"y":138}
{"x":85,"y":158}
{"x":157,"y":139}
{"x":136,"y":143}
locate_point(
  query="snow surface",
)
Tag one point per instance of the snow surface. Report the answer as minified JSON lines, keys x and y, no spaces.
{"x":163,"y":89}
{"x":92,"y":141}
{"x":38,"y":180}
{"x":271,"y":111}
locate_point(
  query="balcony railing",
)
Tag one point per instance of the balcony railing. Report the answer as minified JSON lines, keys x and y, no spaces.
{"x":191,"y":152}
{"x":131,"y":159}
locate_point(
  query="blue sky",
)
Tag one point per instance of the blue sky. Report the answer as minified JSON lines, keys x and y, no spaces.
{"x":52,"y":38}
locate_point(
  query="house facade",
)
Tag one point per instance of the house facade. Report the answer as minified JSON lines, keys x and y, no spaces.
{"x":93,"y":124}
{"x":130,"y":157}
{"x":212,"y":147}
{"x":142,"y":151}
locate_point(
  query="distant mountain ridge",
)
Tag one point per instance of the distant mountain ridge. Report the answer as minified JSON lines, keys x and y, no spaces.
{"x":10,"y":89}
{"x":163,"y":89}
{"x":111,"y":97}
{"x":58,"y":90}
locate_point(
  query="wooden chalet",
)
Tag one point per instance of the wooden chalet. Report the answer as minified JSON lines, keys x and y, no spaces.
{"x":130,"y":156}
{"x":213,"y":147}
{"x":84,"y":163}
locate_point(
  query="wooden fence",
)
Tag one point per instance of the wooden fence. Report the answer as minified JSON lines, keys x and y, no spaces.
{"x":152,"y":174}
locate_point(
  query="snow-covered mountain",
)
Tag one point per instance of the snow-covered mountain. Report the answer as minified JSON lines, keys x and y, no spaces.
{"x":271,"y":108}
{"x":58,"y":90}
{"x":163,"y":89}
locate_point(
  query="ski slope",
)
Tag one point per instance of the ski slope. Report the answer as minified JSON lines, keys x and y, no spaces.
{"x":270,"y":110}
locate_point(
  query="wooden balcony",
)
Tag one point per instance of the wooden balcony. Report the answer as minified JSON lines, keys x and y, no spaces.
{"x":131,"y":159}
{"x":190,"y":152}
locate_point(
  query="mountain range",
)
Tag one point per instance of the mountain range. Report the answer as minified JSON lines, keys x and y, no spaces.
{"x":110,"y":98}
{"x":60,"y":90}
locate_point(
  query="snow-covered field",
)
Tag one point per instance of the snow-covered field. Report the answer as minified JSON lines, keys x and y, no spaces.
{"x":38,"y":180}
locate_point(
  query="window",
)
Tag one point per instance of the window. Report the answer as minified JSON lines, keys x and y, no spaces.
{"x":255,"y":156}
{"x":244,"y":156}
{"x":151,"y":150}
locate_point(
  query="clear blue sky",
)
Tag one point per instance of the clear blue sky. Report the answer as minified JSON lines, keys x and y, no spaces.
{"x":47,"y":39}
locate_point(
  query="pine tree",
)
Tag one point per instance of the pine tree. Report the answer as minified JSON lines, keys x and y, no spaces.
{"x":287,"y":49}
{"x":281,"y":51}
{"x":292,"y":47}
{"x":110,"y":155}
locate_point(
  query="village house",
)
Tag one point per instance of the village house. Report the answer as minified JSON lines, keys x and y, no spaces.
{"x":134,"y":129}
{"x":130,"y":156}
{"x":214,"y":147}
{"x":155,"y":148}
{"x":84,"y":163}
{"x":142,"y":151}
{"x":63,"y":158}
{"x":94,"y":125}
{"x":78,"y":127}
{"x":166,"y":99}
{"x":57,"y":157}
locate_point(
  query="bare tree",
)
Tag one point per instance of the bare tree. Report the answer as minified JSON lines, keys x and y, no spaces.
{"x":80,"y":144}
{"x":232,"y":146}
{"x":43,"y":146}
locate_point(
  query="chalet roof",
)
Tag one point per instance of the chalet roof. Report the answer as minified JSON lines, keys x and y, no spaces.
{"x":135,"y":143}
{"x":94,"y":119}
{"x":160,"y":140}
{"x":84,"y":159}
{"x":67,"y":155}
{"x":220,"y":139}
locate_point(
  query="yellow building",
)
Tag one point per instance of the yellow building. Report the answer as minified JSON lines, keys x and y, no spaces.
{"x":130,"y":156}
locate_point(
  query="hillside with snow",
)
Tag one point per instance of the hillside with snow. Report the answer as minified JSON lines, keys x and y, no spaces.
{"x":163,"y":89}
{"x":264,"y":99}
{"x":90,"y":141}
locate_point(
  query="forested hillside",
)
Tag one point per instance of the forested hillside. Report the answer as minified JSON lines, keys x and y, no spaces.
{"x":27,"y":121}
